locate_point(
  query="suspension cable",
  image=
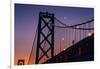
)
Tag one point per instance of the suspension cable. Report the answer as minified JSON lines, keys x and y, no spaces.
{"x":74,"y":26}
{"x":33,"y":44}
{"x":89,"y":21}
{"x":60,"y":21}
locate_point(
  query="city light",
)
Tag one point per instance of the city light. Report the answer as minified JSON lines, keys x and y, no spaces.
{"x":63,"y":38}
{"x":77,"y":26}
{"x":64,"y":49}
{"x":89,"y":34}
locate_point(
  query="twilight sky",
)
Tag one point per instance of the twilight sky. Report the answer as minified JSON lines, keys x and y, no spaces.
{"x":26,"y":20}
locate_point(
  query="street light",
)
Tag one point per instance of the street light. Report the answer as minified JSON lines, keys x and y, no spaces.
{"x":89,"y":34}
{"x":64,"y":49}
{"x":77,"y":27}
{"x":63,"y":38}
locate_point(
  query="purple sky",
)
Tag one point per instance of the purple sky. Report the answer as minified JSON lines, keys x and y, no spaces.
{"x":26,"y":20}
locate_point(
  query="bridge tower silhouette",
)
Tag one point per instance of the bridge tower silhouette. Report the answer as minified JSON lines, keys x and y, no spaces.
{"x":45,"y":48}
{"x":46,"y":22}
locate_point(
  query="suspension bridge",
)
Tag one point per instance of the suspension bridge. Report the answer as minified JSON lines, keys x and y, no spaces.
{"x":56,"y":42}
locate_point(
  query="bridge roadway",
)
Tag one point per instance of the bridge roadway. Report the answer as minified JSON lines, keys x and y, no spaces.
{"x":81,"y":51}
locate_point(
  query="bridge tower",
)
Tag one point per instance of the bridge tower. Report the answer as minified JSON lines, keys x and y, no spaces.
{"x":46,"y":21}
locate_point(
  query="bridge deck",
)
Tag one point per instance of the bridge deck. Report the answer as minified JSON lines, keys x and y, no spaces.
{"x":81,"y":51}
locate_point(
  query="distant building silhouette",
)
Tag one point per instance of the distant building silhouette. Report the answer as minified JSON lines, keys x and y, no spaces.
{"x":21,"y":62}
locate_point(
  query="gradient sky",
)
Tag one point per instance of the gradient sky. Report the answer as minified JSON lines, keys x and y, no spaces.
{"x":26,"y":20}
